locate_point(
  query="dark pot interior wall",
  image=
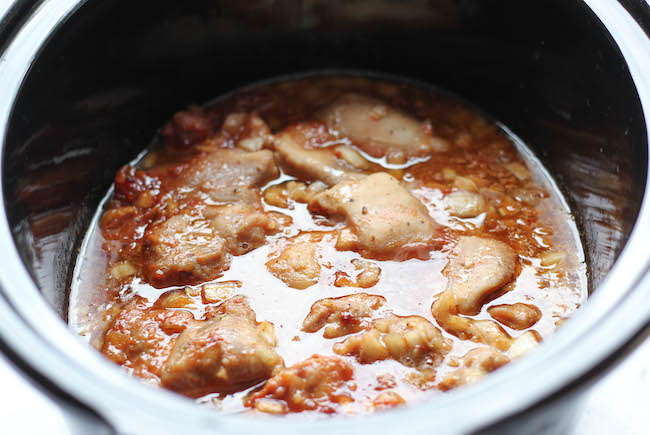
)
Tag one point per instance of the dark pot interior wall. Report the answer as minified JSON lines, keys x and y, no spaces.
{"x":117,"y":70}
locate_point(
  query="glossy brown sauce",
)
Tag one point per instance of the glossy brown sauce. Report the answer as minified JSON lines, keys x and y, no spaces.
{"x":523,"y":209}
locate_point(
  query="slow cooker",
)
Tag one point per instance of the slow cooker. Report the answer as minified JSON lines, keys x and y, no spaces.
{"x":85,"y":84}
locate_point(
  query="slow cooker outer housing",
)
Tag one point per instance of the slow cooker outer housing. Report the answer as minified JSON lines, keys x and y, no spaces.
{"x":85,"y":85}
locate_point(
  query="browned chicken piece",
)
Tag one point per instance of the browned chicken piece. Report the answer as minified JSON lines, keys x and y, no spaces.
{"x":488,"y":332}
{"x":387,"y":399}
{"x":319,"y":383}
{"x":122,"y":269}
{"x":217,"y":174}
{"x":177,"y":299}
{"x":188,"y":249}
{"x":516,"y":316}
{"x":116,"y":218}
{"x":445,"y":311}
{"x":477,"y":270}
{"x":227,"y":175}
{"x":215,"y":292}
{"x":312,"y":164}
{"x":229,"y":352}
{"x":352,"y":157}
{"x":344,"y":315}
{"x":385,"y":218}
{"x":242,"y":226}
{"x":379,"y":129}
{"x":476,"y":364}
{"x":413,"y":341}
{"x":140,"y":338}
{"x":279,"y":195}
{"x":183,"y":249}
{"x":247,"y":130}
{"x":187,"y":128}
{"x":464,"y":204}
{"x":368,"y":275}
{"x":298,"y":264}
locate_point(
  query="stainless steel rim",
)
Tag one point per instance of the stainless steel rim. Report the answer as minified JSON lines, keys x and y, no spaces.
{"x":616,"y":314}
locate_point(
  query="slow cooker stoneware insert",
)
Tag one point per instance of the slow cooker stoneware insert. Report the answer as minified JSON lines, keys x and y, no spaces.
{"x":85,"y":84}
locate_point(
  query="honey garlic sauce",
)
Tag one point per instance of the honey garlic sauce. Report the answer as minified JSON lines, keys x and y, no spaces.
{"x":503,"y":191}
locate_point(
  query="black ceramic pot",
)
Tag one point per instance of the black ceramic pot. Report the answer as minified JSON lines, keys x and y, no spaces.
{"x":84,"y":85}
